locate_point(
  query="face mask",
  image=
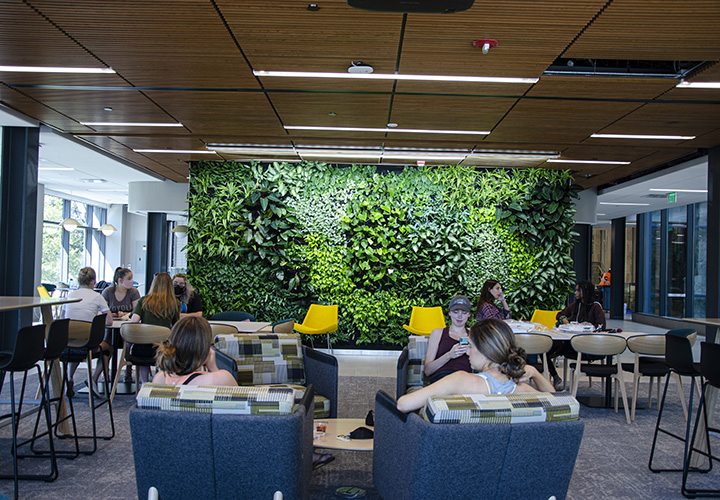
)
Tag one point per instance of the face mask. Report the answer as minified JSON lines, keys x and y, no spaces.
{"x":179,"y":289}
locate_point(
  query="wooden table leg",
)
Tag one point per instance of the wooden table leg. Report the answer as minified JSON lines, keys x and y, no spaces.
{"x":700,"y":442}
{"x":56,"y":376}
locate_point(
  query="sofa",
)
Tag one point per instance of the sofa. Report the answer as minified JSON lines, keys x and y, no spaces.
{"x":410,"y":365}
{"x":268,"y":359}
{"x":477,"y":447}
{"x":196,"y":442}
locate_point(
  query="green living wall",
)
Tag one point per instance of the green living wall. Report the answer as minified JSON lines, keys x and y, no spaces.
{"x":272,"y":239}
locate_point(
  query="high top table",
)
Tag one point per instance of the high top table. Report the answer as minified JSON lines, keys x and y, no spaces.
{"x":45,"y":304}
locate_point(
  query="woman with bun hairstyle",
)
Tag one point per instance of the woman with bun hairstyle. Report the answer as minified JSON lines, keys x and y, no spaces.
{"x":187,"y":357}
{"x":487,"y":308}
{"x":500,"y":363}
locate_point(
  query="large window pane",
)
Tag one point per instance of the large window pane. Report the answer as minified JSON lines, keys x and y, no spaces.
{"x":51,"y":253}
{"x":76,"y":254}
{"x":78,"y":211}
{"x":677,"y":261}
{"x":53,"y":209}
{"x":655,"y":251}
{"x":700,"y":261}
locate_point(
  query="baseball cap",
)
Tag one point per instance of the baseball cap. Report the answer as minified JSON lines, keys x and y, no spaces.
{"x":459,"y":302}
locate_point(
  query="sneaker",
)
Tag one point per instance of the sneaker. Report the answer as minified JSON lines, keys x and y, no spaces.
{"x":70,"y":391}
{"x":558,"y":383}
{"x":322,"y":460}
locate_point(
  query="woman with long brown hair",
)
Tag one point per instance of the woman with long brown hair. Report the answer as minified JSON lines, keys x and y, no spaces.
{"x":158,"y":307}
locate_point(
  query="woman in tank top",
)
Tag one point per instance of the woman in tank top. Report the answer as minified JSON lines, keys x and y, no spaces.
{"x":187,"y":357}
{"x":500,"y":362}
{"x":445,"y":354}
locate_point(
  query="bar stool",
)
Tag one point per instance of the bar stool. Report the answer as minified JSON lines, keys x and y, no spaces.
{"x":710,"y":370}
{"x":678,"y":356}
{"x":28,"y":350}
{"x":86,"y":337}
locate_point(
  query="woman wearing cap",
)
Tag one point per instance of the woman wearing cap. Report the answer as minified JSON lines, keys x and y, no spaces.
{"x":491,"y":292}
{"x":445,"y":354}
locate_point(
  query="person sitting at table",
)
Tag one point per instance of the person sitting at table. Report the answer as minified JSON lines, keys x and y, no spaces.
{"x":500,"y":363}
{"x":122,"y":297}
{"x":158,"y":307}
{"x":91,"y":305}
{"x":187,"y":357}
{"x":584,"y":309}
{"x":445,"y":354}
{"x":190,"y":302}
{"x":486,"y":308}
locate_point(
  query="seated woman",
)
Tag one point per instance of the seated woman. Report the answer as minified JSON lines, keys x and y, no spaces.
{"x":90,"y":305}
{"x":491,"y":292}
{"x":187,"y":358}
{"x":190,"y":302}
{"x":500,"y":363}
{"x":584,"y":309}
{"x":445,"y":353}
{"x":158,"y":307}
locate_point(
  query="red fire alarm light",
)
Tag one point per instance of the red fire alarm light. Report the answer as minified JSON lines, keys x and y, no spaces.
{"x":485,"y":44}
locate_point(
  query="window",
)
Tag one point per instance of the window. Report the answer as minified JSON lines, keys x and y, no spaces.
{"x":700,"y":260}
{"x":677,"y":261}
{"x":655,"y":260}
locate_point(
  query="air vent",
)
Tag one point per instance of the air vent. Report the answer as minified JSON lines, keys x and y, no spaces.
{"x":655,"y":195}
{"x":624,"y":68}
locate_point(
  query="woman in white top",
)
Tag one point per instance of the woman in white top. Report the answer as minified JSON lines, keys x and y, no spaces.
{"x":500,"y":362}
{"x":90,"y":306}
{"x":187,"y":357}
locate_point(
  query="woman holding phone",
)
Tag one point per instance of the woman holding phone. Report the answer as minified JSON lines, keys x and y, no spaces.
{"x":447,"y":347}
{"x":487,"y":308}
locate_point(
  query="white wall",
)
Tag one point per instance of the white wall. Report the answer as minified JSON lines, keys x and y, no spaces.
{"x":134,"y":239}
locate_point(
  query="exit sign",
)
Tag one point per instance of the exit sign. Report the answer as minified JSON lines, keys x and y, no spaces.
{"x":672,"y":197}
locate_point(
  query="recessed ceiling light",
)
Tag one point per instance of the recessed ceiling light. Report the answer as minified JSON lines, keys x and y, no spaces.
{"x":393,"y":76}
{"x":699,"y":85}
{"x":636,"y":136}
{"x":54,"y":168}
{"x":107,"y":108}
{"x":680,"y":190}
{"x":177,"y":151}
{"x":593,"y":162}
{"x":130,"y":124}
{"x":389,"y":129}
{"x":49,"y":69}
{"x":392,"y":125}
{"x":624,"y":204}
{"x":599,"y":214}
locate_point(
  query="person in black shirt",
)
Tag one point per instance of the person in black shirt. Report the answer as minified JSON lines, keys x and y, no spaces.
{"x":188,"y":296}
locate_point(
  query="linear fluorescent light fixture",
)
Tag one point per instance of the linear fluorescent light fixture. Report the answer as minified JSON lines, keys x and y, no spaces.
{"x":177,"y":151}
{"x":679,"y":190}
{"x":590,"y":162}
{"x":131,"y":124}
{"x":624,"y":204}
{"x":698,"y":85}
{"x":393,"y":76}
{"x":636,"y":136}
{"x":251,"y":149}
{"x":388,"y":129}
{"x":49,"y":69}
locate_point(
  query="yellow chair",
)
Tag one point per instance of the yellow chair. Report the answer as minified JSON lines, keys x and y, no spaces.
{"x":318,"y":320}
{"x":423,"y":320}
{"x":42,"y":291}
{"x":545,"y":318}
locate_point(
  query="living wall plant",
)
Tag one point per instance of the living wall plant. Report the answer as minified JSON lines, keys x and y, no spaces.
{"x":272,"y":239}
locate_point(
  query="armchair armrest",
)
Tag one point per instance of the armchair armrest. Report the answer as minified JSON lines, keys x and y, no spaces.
{"x":321,"y":370}
{"x":402,"y":372}
{"x":225,"y":362}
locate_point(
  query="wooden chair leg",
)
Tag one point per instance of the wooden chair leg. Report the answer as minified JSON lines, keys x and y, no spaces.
{"x":682,"y":395}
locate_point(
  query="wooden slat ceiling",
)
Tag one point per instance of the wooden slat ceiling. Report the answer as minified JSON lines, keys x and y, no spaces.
{"x":192,"y":61}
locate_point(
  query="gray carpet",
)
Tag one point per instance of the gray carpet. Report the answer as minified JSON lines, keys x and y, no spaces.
{"x":612,"y":462}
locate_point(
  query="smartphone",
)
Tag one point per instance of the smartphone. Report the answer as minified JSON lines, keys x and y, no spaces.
{"x":464,"y":340}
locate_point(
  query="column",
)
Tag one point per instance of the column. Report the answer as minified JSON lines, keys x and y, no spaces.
{"x":617,"y":265}
{"x":157,"y":247}
{"x":712,"y":304}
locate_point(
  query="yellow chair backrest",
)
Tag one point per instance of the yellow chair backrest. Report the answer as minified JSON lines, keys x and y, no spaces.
{"x":545,"y":318}
{"x":42,"y":291}
{"x":423,"y":320}
{"x":319,"y":319}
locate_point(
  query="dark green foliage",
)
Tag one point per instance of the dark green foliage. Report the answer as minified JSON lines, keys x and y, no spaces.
{"x":272,"y":240}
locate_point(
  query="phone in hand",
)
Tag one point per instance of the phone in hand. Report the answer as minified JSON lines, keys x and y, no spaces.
{"x":464,"y":341}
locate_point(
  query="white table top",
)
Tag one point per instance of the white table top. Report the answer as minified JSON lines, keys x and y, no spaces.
{"x":342,"y":426}
{"x":14,"y":303}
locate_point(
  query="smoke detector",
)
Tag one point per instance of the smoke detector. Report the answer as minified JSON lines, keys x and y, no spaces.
{"x":360,"y":67}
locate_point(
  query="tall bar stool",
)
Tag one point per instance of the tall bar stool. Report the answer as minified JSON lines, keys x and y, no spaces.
{"x":710,"y":370}
{"x":678,"y":356}
{"x":28,"y":350}
{"x":83,"y":344}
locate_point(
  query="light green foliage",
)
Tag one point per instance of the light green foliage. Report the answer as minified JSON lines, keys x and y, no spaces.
{"x":273,"y":240}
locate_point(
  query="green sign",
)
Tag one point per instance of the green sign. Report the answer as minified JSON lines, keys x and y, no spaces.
{"x":672,"y":197}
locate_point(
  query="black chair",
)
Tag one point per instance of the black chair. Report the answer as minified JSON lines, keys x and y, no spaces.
{"x":678,"y":356}
{"x":28,"y":350}
{"x":710,"y":370}
{"x":232,"y":316}
{"x":84,"y":344}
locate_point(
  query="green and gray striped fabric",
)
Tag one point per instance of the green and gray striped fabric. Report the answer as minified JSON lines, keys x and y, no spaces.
{"x":265,"y":358}
{"x":509,"y":408}
{"x":217,"y":399}
{"x":417,"y":349}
